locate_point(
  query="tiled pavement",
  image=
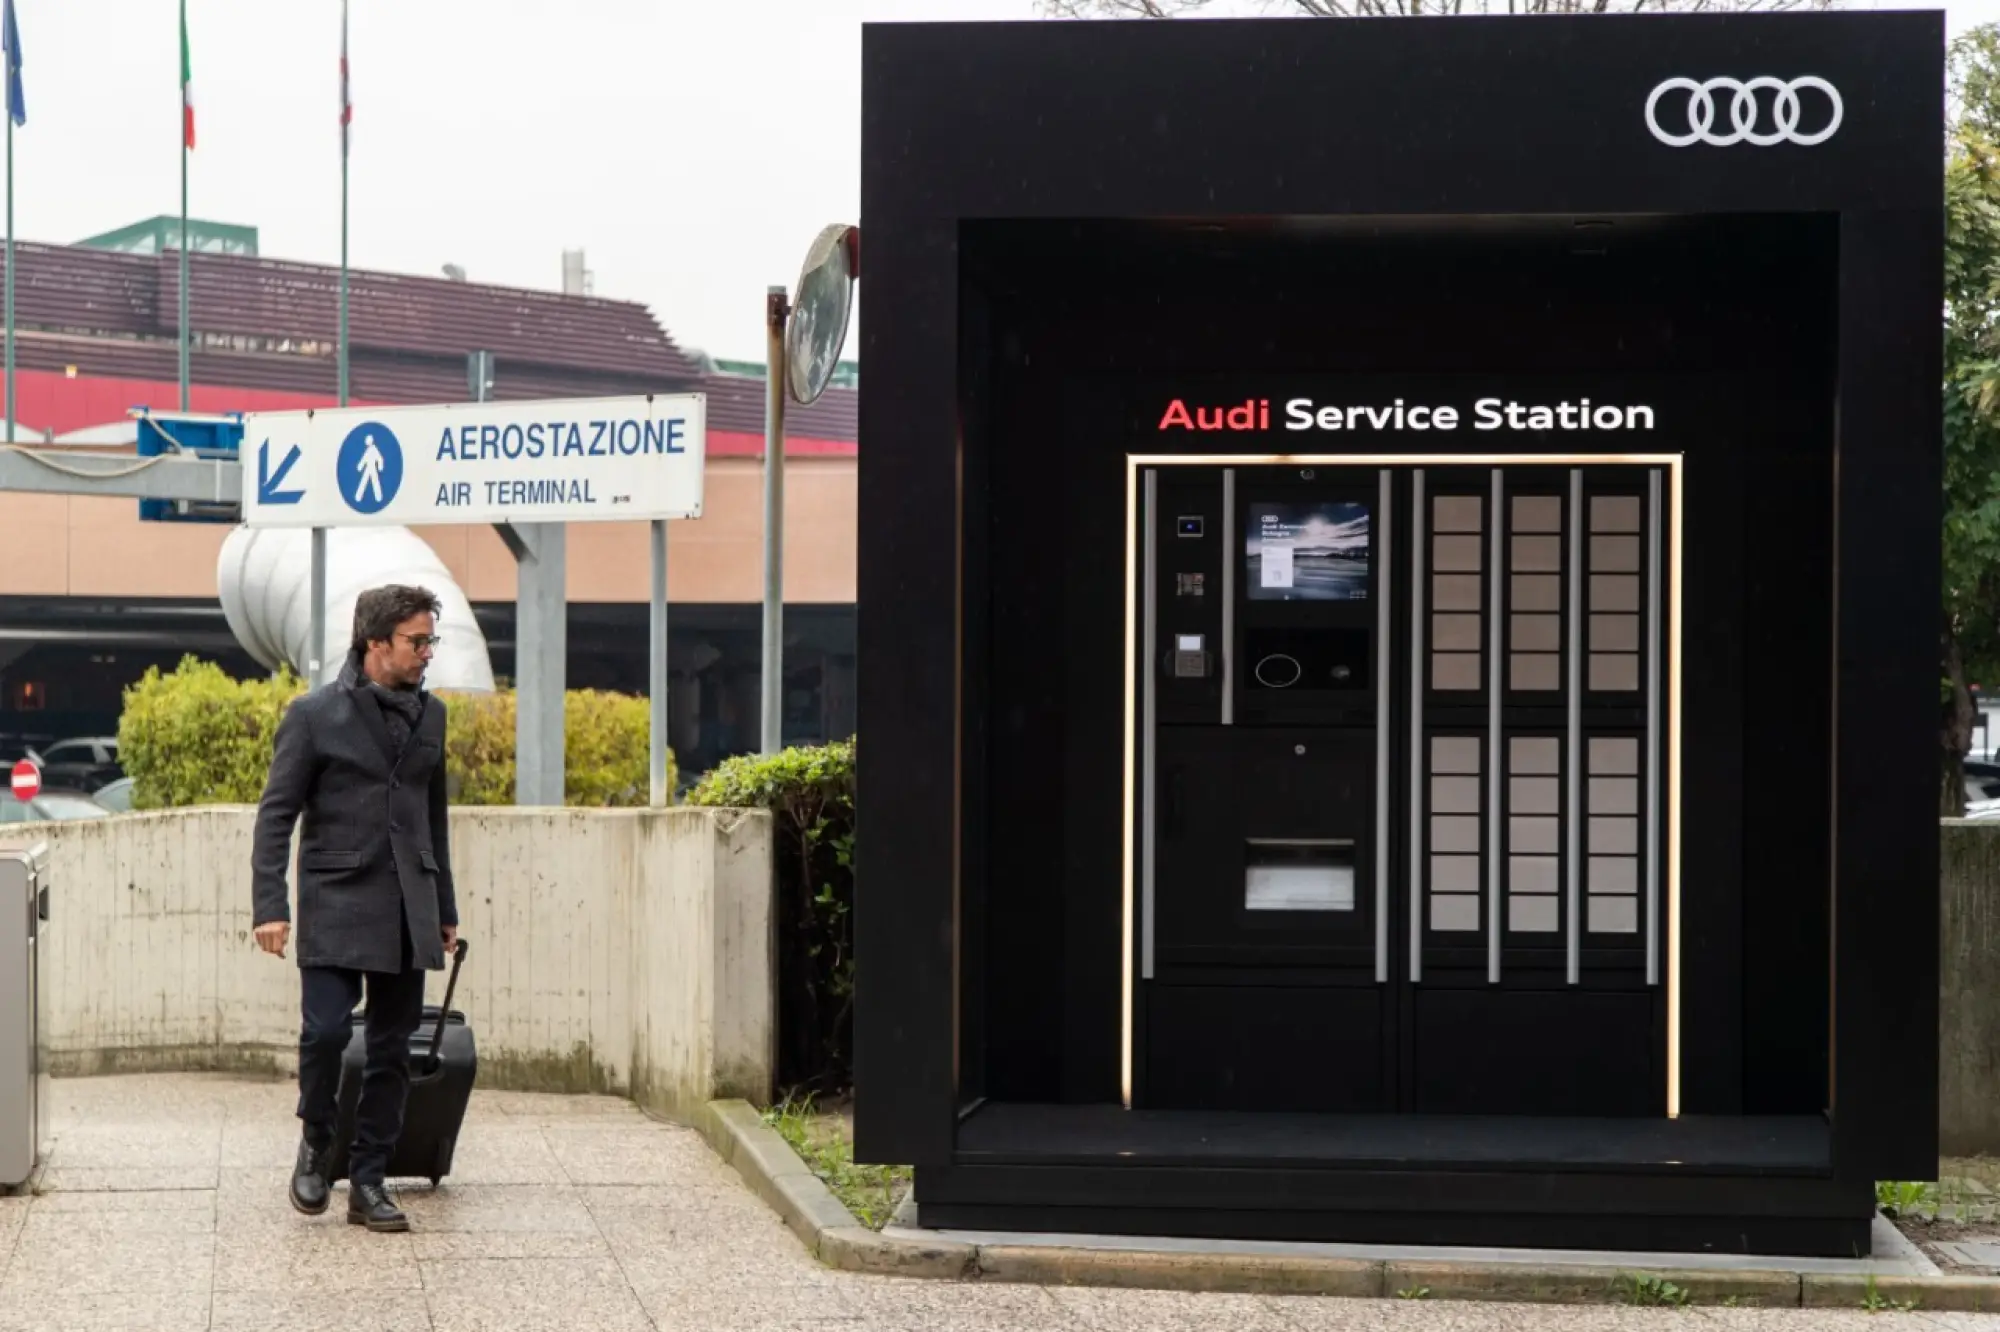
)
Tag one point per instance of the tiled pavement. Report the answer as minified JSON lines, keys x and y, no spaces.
{"x":166,"y":1212}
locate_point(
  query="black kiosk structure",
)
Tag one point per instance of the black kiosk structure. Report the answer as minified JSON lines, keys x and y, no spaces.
{"x":1398,"y":589}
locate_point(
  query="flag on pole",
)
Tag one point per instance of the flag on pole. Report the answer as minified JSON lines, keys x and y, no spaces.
{"x":17,"y":103}
{"x":187,"y":84}
{"x":17,"y":114}
{"x":346,"y":97}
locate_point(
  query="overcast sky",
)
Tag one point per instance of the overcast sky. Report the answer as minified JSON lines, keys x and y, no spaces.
{"x":690,"y":147}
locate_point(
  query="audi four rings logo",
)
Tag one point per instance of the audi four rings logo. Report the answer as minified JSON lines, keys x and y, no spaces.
{"x":1747,"y":122}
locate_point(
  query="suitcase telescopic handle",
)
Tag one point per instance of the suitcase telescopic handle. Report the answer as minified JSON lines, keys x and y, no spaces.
{"x":444,"y":1009}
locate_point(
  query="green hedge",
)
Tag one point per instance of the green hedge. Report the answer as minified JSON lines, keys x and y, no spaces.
{"x":198,"y":736}
{"x":606,"y":748}
{"x":810,"y":792}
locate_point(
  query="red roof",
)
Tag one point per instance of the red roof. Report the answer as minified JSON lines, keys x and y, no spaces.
{"x":736,"y":403}
{"x":265,"y":333}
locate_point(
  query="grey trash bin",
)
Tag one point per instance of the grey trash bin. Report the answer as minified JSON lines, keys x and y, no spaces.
{"x":24,"y":1079}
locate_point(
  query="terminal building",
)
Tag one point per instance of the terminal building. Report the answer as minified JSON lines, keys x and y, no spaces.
{"x":91,"y":595}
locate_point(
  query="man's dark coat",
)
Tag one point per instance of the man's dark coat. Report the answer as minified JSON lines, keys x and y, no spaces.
{"x":374,"y":839}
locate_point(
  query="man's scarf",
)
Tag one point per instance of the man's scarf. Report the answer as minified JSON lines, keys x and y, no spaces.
{"x":400,"y":710}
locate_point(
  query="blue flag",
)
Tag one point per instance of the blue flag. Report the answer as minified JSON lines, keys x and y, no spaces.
{"x":17,"y":102}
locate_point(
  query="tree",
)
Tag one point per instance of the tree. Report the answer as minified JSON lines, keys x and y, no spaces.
{"x":1970,"y":631}
{"x":1409,"y":8}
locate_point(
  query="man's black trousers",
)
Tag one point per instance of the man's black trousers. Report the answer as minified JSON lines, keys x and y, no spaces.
{"x":395,"y":1007}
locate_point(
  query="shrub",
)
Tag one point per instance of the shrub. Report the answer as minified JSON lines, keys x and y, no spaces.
{"x":810,"y":793}
{"x":606,"y":748}
{"x":197,"y":736}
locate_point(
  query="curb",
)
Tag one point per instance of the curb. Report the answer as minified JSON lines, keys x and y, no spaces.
{"x":1231,"y":1273}
{"x":739,"y":1135}
{"x":830,"y":1232}
{"x":1938,"y":1294}
{"x":1523,"y":1283}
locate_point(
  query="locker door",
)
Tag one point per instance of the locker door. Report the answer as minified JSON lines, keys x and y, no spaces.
{"x":1534,"y":767}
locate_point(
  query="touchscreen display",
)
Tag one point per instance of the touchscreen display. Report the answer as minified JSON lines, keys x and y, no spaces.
{"x":1307,"y":551}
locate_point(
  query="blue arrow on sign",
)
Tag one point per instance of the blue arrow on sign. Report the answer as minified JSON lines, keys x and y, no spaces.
{"x":268,"y":482}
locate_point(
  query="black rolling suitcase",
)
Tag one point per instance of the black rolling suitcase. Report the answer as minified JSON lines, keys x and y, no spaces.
{"x":443,"y":1064}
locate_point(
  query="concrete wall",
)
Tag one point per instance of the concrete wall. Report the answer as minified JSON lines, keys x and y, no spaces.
{"x":629,"y":951}
{"x":1969,"y":989}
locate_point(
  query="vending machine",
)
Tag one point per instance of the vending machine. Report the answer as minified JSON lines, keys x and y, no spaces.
{"x":1401,"y":736}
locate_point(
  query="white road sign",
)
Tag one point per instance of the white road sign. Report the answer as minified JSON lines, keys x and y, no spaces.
{"x":573,"y":460}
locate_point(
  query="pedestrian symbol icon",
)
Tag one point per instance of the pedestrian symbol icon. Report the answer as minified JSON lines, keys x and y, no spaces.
{"x":371,"y":472}
{"x":370,"y":467}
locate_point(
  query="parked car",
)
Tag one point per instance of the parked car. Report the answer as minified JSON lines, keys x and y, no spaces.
{"x":81,"y":764}
{"x":51,"y":806}
{"x":117,"y":797}
{"x":1982,"y":789}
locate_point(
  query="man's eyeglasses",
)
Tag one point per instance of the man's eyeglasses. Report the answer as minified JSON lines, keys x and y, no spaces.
{"x":422,"y":641}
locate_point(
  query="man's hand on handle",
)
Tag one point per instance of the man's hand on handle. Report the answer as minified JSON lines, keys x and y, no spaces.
{"x":450,"y":938}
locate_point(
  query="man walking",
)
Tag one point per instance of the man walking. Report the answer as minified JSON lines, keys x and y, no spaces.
{"x":359,"y":766}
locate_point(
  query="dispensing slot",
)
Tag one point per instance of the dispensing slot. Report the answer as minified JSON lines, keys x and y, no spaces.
{"x":1302,"y":875}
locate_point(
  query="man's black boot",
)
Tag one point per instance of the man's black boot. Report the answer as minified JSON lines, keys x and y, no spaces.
{"x":370,"y":1205}
{"x":309,"y":1191}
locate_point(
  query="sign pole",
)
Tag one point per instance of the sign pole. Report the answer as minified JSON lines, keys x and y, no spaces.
{"x":801,"y":356}
{"x":541,"y":660}
{"x":541,"y":637}
{"x":657,"y":674}
{"x":776,"y":311}
{"x":316,"y":662}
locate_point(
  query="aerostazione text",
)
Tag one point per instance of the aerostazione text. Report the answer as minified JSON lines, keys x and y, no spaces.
{"x":562,"y":439}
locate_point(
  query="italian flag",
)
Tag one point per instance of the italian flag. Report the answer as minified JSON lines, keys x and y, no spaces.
{"x":187,"y":84}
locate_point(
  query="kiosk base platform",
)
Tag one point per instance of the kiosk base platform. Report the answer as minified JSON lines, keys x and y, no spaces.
{"x":1698,"y":1184}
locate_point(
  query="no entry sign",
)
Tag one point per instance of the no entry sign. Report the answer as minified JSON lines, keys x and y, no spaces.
{"x":27,"y":780}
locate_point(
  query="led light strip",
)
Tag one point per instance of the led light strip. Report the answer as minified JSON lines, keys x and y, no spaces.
{"x":1131,"y":672}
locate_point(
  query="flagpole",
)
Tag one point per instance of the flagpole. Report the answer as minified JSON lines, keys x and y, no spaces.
{"x":13,"y":416}
{"x":343,"y":202}
{"x":184,"y":273}
{"x":15,"y":106}
{"x":317,"y":577}
{"x":184,"y":213}
{"x":343,"y":278}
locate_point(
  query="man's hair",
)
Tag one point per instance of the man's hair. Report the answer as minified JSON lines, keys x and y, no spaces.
{"x":379,"y":610}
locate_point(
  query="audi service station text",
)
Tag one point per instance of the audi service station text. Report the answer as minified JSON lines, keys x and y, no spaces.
{"x":1487,"y":414}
